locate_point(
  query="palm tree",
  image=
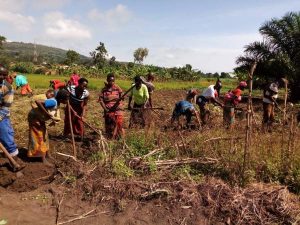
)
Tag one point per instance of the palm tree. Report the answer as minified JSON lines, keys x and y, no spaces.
{"x":278,"y":54}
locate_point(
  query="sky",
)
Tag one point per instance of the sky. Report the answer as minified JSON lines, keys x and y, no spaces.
{"x":208,"y":34}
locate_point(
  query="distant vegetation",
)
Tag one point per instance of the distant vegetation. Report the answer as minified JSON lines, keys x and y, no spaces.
{"x":19,"y":57}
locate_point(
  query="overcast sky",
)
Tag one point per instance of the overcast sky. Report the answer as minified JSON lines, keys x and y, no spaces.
{"x":208,"y":34}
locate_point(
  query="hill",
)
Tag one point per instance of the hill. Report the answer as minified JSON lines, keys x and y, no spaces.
{"x":24,"y":52}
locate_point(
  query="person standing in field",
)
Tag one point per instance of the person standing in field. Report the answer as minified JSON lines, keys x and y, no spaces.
{"x":140,"y":96}
{"x":79,"y":97}
{"x":44,"y":109}
{"x":150,"y":87}
{"x":219,"y":86}
{"x":270,"y":94}
{"x":21,"y":82}
{"x":208,"y":95}
{"x":111,"y":102}
{"x":6,"y":100}
{"x":231,"y":100}
{"x":74,"y":78}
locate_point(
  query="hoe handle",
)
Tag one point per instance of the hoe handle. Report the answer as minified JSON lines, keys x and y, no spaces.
{"x":10,"y":158}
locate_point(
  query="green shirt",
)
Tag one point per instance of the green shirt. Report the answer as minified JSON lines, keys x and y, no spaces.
{"x":140,"y":96}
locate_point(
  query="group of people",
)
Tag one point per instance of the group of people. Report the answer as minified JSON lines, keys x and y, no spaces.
{"x":75,"y":95}
{"x":230,"y":103}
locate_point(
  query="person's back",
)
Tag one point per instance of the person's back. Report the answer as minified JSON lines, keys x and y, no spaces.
{"x":21,"y":80}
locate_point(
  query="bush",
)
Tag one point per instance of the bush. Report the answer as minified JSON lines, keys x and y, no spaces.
{"x":23,"y":67}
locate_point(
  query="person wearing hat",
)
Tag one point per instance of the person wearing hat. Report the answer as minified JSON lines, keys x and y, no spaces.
{"x":208,"y":95}
{"x":6,"y":100}
{"x":231,"y":100}
{"x":140,"y":96}
{"x":270,"y":94}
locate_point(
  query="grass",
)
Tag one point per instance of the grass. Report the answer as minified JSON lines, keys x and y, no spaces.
{"x":38,"y":81}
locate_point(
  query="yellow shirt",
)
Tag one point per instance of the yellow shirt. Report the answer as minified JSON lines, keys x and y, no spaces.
{"x":140,"y":96}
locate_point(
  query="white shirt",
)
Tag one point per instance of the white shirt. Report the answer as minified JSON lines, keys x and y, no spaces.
{"x":209,"y":92}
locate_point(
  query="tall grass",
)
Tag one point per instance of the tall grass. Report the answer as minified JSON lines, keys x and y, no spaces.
{"x":38,"y":81}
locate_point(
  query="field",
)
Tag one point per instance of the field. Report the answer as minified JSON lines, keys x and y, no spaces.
{"x":157,"y":175}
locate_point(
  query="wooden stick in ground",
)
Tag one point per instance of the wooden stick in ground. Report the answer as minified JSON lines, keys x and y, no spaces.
{"x":10,"y":158}
{"x":71,"y":129}
{"x":285,"y":99}
{"x":249,"y":121}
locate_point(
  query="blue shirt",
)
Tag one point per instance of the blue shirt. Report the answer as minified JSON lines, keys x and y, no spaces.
{"x":183,"y":106}
{"x":21,"y":80}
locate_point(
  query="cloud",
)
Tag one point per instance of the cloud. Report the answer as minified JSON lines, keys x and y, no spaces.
{"x":49,"y":4}
{"x":18,"y":21}
{"x":113,"y":18}
{"x":58,"y":27}
{"x":12,"y":5}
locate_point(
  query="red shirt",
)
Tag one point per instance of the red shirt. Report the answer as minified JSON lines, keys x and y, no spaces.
{"x":110,"y":95}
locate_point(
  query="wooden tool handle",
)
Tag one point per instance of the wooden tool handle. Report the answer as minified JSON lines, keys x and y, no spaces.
{"x":10,"y":158}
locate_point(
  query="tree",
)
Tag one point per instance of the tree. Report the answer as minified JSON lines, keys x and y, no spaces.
{"x":139,"y":54}
{"x":72,"y":57}
{"x":2,"y":39}
{"x":99,"y":55}
{"x":279,"y":54}
{"x":224,"y":75}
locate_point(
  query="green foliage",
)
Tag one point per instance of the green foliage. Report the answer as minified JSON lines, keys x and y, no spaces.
{"x":140,"y":54}
{"x":279,"y":54}
{"x":139,"y":144}
{"x":97,"y":157}
{"x":120,"y":169}
{"x":20,"y":51}
{"x":23,"y":67}
{"x":99,"y":55}
{"x":72,"y":57}
{"x":2,"y":40}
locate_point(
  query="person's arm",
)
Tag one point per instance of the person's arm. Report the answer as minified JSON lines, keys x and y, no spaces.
{"x":146,"y":95}
{"x":150,"y":100}
{"x":85,"y":101}
{"x":41,"y":106}
{"x":101,"y":101}
{"x":215,"y":101}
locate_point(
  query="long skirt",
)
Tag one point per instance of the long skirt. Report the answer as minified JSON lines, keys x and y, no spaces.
{"x":137,"y":116}
{"x":113,"y":124}
{"x":77,"y":123}
{"x":38,"y":138}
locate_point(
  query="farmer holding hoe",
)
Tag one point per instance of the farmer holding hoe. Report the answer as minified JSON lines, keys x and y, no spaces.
{"x":79,"y":97}
{"x":231,"y":101}
{"x":270,"y":94}
{"x":6,"y":100}
{"x":110,"y":99}
{"x":208,"y":95}
{"x":140,"y":95}
{"x":185,"y":108}
{"x":42,"y":111}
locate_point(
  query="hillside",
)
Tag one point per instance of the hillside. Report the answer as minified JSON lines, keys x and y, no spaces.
{"x":24,"y":52}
